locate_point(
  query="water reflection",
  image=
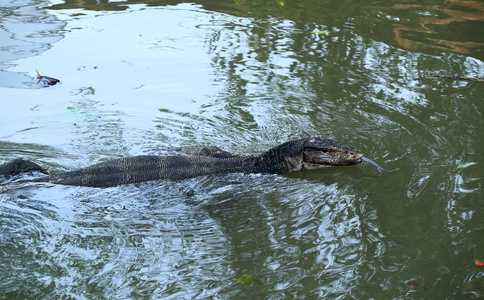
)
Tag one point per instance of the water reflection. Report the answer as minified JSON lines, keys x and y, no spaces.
{"x":251,"y":83}
{"x":26,"y":30}
{"x":312,"y":235}
{"x":423,"y":27}
{"x":412,"y":26}
{"x":108,"y":247}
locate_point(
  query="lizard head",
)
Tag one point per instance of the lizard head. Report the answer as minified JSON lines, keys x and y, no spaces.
{"x":320,"y":153}
{"x":19,"y":166}
{"x":308,"y":154}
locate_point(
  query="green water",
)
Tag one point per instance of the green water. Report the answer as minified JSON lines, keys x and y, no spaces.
{"x":245,"y":76}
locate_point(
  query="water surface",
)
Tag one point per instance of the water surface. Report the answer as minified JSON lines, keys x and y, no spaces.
{"x":245,"y":76}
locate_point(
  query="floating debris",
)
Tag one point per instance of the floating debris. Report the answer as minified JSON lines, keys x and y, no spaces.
{"x":46,"y":81}
{"x":465,"y":165}
{"x":246,"y":279}
{"x":456,"y":77}
{"x":479,"y":263}
{"x":321,"y":32}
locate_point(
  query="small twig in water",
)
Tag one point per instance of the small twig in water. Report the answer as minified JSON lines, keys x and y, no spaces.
{"x":455,"y":77}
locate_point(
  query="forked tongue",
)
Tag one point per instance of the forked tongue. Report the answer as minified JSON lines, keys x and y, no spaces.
{"x":377,"y":166}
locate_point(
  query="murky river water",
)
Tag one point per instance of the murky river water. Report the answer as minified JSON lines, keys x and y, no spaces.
{"x":245,"y":76}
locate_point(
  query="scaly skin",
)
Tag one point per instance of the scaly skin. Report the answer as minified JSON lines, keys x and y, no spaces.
{"x":303,"y":154}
